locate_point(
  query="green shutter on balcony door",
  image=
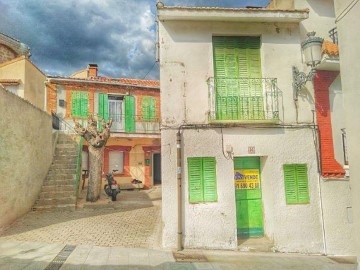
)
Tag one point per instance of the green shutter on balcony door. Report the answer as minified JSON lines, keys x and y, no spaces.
{"x":209,"y":179}
{"x":195,"y":177}
{"x":129,"y":114}
{"x":235,"y":60}
{"x":148,"y":108}
{"x":103,"y":108}
{"x":84,"y":103}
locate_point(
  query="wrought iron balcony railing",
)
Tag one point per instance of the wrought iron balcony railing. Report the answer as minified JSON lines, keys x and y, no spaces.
{"x":243,"y":99}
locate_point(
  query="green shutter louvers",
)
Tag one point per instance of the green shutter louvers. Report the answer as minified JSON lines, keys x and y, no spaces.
{"x":129,"y":114}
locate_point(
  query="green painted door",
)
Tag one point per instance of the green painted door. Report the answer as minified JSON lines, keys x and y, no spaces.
{"x":249,"y":211}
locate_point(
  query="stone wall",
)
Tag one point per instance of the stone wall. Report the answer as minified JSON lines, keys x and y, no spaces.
{"x":25,"y":155}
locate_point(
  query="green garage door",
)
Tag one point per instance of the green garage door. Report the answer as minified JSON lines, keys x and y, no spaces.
{"x":249,"y":211}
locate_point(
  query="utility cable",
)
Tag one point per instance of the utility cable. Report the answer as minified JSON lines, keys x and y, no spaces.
{"x":149,"y":70}
{"x":346,"y":10}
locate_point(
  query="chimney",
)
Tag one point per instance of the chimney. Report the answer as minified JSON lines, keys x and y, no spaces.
{"x":92,"y":70}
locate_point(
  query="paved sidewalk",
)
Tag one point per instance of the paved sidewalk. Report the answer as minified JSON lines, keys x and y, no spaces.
{"x":16,"y":255}
{"x":132,"y":221}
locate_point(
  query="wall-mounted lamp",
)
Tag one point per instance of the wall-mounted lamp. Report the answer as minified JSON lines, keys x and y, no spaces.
{"x":311,"y":48}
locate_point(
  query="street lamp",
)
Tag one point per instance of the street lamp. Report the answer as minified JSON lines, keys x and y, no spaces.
{"x":311,"y":48}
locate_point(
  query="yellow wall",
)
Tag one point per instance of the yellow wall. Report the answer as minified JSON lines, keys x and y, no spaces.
{"x":32,"y":80}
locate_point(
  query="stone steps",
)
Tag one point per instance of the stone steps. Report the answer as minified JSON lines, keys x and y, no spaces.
{"x":58,"y":190}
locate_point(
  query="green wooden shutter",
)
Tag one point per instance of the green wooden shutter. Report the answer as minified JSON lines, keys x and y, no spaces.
{"x":290,"y":183}
{"x":79,"y":103}
{"x":209,"y":179}
{"x":302,"y":183}
{"x":145,"y":108}
{"x":296,"y":183}
{"x":152,"y":108}
{"x":236,"y":60}
{"x":103,"y":111}
{"x":84,"y":101}
{"x":75,"y":104}
{"x":129,"y":114}
{"x":104,"y":106}
{"x":195,"y":177}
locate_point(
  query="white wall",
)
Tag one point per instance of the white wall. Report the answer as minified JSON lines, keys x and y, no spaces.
{"x":349,"y":40}
{"x":186,"y":64}
{"x":338,"y":223}
{"x":337,"y":118}
{"x":276,"y":147}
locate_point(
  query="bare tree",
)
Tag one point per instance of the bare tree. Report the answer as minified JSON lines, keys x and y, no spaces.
{"x":96,"y":140}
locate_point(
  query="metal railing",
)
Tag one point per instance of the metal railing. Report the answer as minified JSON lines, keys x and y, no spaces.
{"x":248,"y":99}
{"x":333,"y":34}
{"x":135,"y":123}
{"x":78,"y":166}
{"x":121,"y":123}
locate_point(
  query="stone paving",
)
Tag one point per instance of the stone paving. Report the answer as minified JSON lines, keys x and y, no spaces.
{"x":132,"y":221}
{"x":16,"y":255}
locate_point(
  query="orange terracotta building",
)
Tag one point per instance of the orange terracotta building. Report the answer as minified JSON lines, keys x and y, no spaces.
{"x":134,"y":147}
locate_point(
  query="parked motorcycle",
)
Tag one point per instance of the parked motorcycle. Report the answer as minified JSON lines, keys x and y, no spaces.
{"x":111,"y":188}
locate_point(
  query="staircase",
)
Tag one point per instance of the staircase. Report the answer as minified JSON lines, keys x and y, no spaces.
{"x":58,"y":190}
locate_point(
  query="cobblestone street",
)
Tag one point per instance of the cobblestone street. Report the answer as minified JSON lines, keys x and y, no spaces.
{"x":132,"y":221}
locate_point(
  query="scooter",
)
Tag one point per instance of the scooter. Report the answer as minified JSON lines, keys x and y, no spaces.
{"x":111,"y":188}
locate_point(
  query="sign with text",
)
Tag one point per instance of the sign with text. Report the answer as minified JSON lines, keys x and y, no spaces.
{"x":247,"y":179}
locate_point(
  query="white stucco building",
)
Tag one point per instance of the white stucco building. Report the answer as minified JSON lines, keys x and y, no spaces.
{"x":250,"y":159}
{"x":347,"y":16}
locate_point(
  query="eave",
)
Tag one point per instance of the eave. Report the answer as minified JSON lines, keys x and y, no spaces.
{"x":232,"y":14}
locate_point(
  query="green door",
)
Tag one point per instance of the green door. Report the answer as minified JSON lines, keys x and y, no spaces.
{"x":249,"y":211}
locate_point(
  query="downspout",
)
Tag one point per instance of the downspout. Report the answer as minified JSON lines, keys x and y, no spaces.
{"x":179,"y":203}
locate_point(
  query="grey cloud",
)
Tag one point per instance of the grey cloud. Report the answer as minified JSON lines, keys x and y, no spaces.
{"x":66,"y":35}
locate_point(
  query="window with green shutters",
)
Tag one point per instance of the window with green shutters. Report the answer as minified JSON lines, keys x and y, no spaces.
{"x":296,"y":184}
{"x":237,"y":65}
{"x":148,"y":108}
{"x":202,"y":179}
{"x":79,"y":103}
{"x":103,"y":108}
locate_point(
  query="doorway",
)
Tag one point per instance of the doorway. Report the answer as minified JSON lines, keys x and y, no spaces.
{"x":157,"y":168}
{"x":249,"y":210}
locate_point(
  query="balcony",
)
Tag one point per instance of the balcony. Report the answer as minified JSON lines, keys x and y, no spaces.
{"x":123,"y":125}
{"x":245,"y":100}
{"x":134,"y":124}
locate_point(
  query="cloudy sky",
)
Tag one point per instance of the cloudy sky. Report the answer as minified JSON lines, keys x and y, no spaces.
{"x":118,"y":35}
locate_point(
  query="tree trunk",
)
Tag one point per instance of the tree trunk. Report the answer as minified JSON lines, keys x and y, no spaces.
{"x":95,"y":173}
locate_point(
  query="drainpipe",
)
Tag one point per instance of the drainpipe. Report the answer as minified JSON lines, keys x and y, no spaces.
{"x":179,"y":203}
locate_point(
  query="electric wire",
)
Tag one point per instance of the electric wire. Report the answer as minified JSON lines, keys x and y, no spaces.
{"x":346,"y":10}
{"x":149,"y":70}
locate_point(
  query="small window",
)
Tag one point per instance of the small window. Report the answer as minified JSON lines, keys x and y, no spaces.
{"x":202,"y":179}
{"x":79,"y":103}
{"x":116,"y":161}
{"x":296,"y":184}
